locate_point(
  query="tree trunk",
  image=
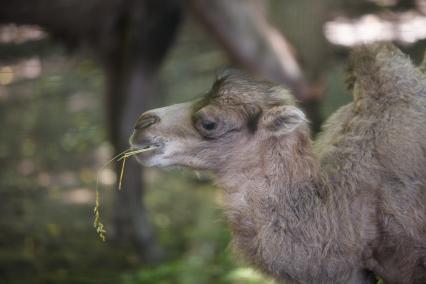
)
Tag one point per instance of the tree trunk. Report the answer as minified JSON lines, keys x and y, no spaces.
{"x":131,"y":67}
{"x":128,"y":98}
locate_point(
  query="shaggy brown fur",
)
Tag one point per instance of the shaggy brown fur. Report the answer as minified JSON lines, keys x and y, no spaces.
{"x":350,"y":206}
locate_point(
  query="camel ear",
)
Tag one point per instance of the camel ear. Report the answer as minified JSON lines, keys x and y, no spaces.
{"x":283,"y":119}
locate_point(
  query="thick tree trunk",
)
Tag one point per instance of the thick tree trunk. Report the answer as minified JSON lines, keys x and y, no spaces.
{"x":130,"y":91}
{"x":131,"y":67}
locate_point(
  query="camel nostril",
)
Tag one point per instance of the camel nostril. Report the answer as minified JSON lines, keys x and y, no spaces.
{"x":145,"y":121}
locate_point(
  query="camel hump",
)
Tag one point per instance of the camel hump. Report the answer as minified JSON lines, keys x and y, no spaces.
{"x":383,"y":72}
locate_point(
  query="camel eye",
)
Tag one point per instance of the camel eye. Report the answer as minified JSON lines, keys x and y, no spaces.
{"x":208,"y":125}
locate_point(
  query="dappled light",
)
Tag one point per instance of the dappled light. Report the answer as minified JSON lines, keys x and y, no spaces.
{"x":79,"y":196}
{"x":19,"y":34}
{"x":107,"y":177}
{"x":406,"y":28}
{"x":26,"y":69}
{"x":6,"y":75}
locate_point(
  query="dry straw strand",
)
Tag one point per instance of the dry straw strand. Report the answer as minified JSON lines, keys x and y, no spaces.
{"x":99,"y":226}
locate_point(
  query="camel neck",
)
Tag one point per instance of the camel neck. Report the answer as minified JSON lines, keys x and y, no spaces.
{"x":275,"y":197}
{"x":282,"y":178}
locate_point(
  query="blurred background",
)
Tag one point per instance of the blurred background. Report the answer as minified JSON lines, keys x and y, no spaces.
{"x":75,"y":75}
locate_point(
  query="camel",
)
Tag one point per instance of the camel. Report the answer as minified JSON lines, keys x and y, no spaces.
{"x":347,"y":208}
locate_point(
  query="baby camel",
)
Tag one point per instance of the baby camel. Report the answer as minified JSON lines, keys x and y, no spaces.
{"x":342,"y":210}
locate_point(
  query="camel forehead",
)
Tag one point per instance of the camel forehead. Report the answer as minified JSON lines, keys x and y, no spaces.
{"x":242,"y":89}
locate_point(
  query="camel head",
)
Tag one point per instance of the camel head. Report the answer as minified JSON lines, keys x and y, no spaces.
{"x":232,"y":122}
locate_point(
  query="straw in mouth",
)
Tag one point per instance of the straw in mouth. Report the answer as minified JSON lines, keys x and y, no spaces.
{"x":128,"y":154}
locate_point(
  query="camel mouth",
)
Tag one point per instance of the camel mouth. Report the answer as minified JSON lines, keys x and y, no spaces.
{"x":148,"y":148}
{"x":148,"y":151}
